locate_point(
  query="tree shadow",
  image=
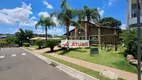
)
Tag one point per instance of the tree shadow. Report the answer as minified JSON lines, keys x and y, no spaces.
{"x":53,"y":51}
{"x":65,"y":51}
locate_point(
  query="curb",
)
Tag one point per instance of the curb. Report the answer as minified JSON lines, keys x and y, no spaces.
{"x":68,"y":70}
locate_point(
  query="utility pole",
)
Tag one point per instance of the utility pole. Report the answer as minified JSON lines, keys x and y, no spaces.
{"x":139,"y":40}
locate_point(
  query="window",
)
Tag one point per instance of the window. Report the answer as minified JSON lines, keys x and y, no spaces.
{"x":134,"y":10}
{"x":134,"y":6}
{"x":93,"y":37}
{"x":134,"y":13}
{"x":82,"y":37}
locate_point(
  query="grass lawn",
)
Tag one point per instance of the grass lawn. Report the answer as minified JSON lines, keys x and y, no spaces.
{"x":112,"y":59}
{"x":81,"y":69}
{"x":34,"y":46}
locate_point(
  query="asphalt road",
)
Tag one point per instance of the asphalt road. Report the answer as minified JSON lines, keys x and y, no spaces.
{"x":18,"y":64}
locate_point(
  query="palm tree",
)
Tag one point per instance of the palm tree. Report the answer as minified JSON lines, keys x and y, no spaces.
{"x":88,"y":14}
{"x":65,"y":16}
{"x":45,"y":22}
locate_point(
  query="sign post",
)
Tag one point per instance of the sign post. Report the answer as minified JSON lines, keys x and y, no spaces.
{"x":139,"y":40}
{"x":94,"y":51}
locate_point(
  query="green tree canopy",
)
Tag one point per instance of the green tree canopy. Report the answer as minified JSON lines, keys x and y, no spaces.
{"x":65,"y":16}
{"x":45,"y":22}
{"x":110,"y":22}
{"x":129,"y":38}
{"x":22,"y":35}
{"x":11,"y":40}
{"x":89,"y":14}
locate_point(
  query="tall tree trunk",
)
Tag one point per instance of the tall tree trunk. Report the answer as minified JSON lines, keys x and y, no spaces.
{"x":86,"y":31}
{"x":67,"y":32}
{"x":46,"y":33}
{"x":76,"y":33}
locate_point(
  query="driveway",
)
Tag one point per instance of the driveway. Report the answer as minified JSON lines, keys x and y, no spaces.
{"x":18,"y":64}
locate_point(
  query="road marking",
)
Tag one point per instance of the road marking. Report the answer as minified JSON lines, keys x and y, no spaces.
{"x":2,"y":57}
{"x":23,"y":54}
{"x":13,"y":55}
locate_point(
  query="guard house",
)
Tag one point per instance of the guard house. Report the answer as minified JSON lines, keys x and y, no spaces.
{"x":94,"y":32}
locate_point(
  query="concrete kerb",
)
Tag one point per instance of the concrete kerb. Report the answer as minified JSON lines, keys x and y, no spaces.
{"x":68,"y":70}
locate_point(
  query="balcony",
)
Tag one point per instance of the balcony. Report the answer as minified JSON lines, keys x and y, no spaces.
{"x":133,"y":19}
{"x":134,"y":13}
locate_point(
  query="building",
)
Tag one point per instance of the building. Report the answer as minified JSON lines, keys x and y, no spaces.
{"x":132,"y":14}
{"x":93,"y":32}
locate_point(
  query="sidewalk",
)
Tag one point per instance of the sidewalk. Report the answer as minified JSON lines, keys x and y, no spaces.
{"x":121,"y":74}
{"x":43,"y":50}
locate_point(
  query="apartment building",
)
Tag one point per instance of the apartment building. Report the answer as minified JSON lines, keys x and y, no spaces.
{"x":131,"y":22}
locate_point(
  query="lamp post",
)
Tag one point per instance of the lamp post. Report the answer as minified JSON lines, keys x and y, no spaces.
{"x":139,"y":40}
{"x":79,"y":35}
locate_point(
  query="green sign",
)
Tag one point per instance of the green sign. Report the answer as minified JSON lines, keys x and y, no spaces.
{"x":94,"y":51}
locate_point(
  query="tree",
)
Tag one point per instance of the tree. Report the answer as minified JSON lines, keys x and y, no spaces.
{"x":39,"y":43}
{"x":88,"y":14}
{"x":109,"y":22}
{"x":45,"y":22}
{"x":77,"y":26}
{"x":65,"y":16}
{"x":11,"y":40}
{"x":24,"y":35}
{"x":52,"y":43}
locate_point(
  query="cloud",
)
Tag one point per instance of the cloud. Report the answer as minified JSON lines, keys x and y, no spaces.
{"x":111,"y":2}
{"x":19,"y":15}
{"x":39,"y":31}
{"x":15,"y":30}
{"x":56,"y":31}
{"x":123,"y":26}
{"x":55,"y":20}
{"x":47,"y":4}
{"x":46,"y":14}
{"x":52,"y":31}
{"x":101,"y":11}
{"x":71,"y":28}
{"x":30,"y":22}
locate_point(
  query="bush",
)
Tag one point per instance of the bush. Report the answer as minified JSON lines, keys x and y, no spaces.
{"x":11,"y":40}
{"x":52,"y":44}
{"x":129,"y":38}
{"x":3,"y":42}
{"x":27,"y":44}
{"x":39,"y":43}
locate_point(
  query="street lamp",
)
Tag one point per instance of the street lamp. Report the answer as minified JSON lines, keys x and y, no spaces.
{"x":138,"y":37}
{"x":28,"y":38}
{"x":79,"y":35}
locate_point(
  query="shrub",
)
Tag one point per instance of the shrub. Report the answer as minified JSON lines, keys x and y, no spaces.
{"x":3,"y":42}
{"x":39,"y":43}
{"x":52,"y":44}
{"x":129,"y":38}
{"x":11,"y":40}
{"x":27,"y":44}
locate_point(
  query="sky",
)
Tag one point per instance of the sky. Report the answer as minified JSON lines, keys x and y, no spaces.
{"x":15,"y":14}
